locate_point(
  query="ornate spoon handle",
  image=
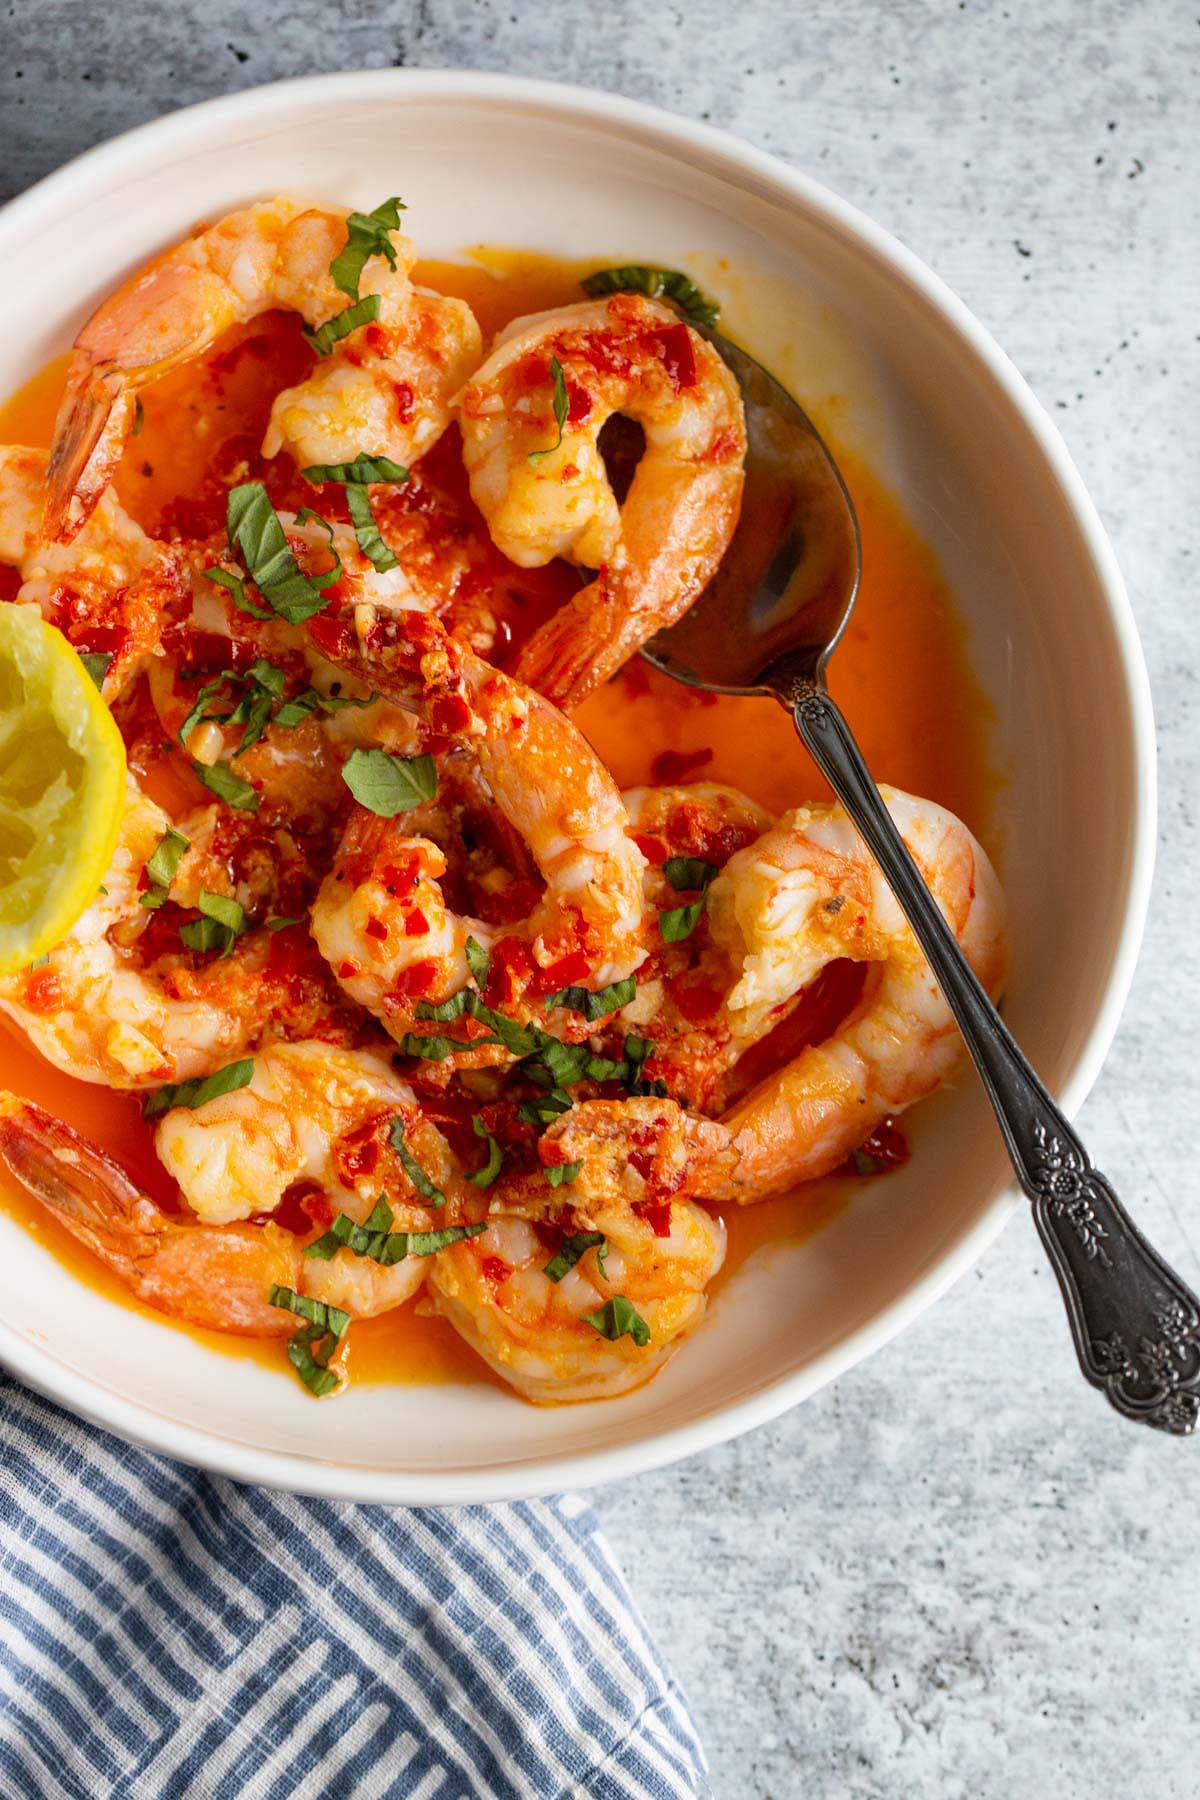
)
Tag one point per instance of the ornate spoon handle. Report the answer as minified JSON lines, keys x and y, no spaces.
{"x":1136,"y":1325}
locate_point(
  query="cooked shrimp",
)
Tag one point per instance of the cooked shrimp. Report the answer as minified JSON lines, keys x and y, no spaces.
{"x":220,"y":1275}
{"x":108,"y":591}
{"x":544,"y":498}
{"x":380,"y":919}
{"x":384,"y":388}
{"x":111,"y":1005}
{"x":805,"y":894}
{"x":639,"y":1158}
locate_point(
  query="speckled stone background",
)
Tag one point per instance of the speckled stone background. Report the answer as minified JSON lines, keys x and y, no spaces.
{"x":953,"y":1574}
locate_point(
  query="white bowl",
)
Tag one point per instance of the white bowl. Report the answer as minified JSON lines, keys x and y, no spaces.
{"x":836,"y":305}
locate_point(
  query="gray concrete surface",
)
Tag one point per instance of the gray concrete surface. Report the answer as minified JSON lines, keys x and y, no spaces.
{"x":953,"y":1574}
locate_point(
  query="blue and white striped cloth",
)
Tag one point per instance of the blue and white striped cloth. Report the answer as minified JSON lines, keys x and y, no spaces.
{"x":165,"y":1633}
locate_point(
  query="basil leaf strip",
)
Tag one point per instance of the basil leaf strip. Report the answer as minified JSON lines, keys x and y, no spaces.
{"x":200,"y":1089}
{"x":366,"y":530}
{"x":222,"y":922}
{"x":561,"y":1173}
{"x":684,"y":873}
{"x":97,"y":663}
{"x":236,"y":589}
{"x":363,"y":312}
{"x":376,"y":1240}
{"x":644,"y":278}
{"x":256,"y":534}
{"x":570,"y":1251}
{"x":359,"y":473}
{"x":483,"y":1178}
{"x":387,"y":784}
{"x":161,"y":865}
{"x":228,"y":785}
{"x":560,"y":410}
{"x":317,"y":1312}
{"x":310,"y":1350}
{"x":367,"y":235}
{"x":412,"y":1168}
{"x":596,"y":1005}
{"x":478,"y":960}
{"x":619,"y":1318}
{"x":208,"y":692}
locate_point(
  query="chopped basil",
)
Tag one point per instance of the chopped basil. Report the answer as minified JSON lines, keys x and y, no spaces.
{"x":310,"y":1350}
{"x":644,"y":278}
{"x":222,"y":921}
{"x":561,"y":1173}
{"x":560,"y":410}
{"x":197,"y":714}
{"x":227,"y":785}
{"x":433,"y":1049}
{"x":236,"y":589}
{"x":387,"y":784}
{"x":619,"y":1318}
{"x":358,"y":473}
{"x":685,"y":873}
{"x":376,"y":1240}
{"x":596,"y":1005}
{"x":412,"y":1168}
{"x":282,"y":924}
{"x":256,"y":534}
{"x":161,"y":866}
{"x":342,"y":324}
{"x":97,"y":663}
{"x":570,"y":1251}
{"x":483,"y":1178}
{"x":367,"y":235}
{"x":317,"y":1312}
{"x":200,"y":1089}
{"x":367,"y":532}
{"x":546,"y":1109}
{"x":637,"y":1051}
{"x":478,"y":960}
{"x":444,"y":1011}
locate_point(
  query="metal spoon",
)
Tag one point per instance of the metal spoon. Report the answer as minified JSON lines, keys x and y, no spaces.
{"x":767,"y":624}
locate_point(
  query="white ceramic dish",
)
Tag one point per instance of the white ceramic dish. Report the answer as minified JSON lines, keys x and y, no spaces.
{"x":839,"y":308}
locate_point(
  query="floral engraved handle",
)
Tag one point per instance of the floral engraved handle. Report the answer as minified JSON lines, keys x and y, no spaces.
{"x":1135,"y":1324}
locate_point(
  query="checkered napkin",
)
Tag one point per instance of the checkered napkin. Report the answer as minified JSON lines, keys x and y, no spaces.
{"x":169,"y":1633}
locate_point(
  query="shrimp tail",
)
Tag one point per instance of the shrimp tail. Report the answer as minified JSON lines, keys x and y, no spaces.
{"x":560,"y":658}
{"x":215,"y":1278}
{"x":93,"y":423}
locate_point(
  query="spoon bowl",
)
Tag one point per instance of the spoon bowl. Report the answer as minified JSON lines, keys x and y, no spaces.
{"x":787,"y":584}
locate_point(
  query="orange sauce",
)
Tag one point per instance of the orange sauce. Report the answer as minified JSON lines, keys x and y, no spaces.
{"x":901,"y":673}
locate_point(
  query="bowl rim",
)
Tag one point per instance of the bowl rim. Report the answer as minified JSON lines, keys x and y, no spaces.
{"x":678,"y":136}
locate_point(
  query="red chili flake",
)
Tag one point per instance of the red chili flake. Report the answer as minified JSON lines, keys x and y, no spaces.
{"x":724,"y":448}
{"x":415,"y":923}
{"x":303,"y":1205}
{"x":495,"y":1270}
{"x":675,"y":349}
{"x":697,"y":1001}
{"x":579,"y":402}
{"x":885,"y":1149}
{"x":415,"y":982}
{"x":347,"y":970}
{"x":290,"y":950}
{"x":403,"y":396}
{"x":563,"y":973}
{"x":641,"y":1161}
{"x":401,"y":877}
{"x":208,"y":650}
{"x":449,"y":714}
{"x":670,"y":766}
{"x":658,"y":1218}
{"x":112,"y":638}
{"x":375,"y":928}
{"x":655,"y":849}
{"x":358,"y":1153}
{"x":42,"y":992}
{"x":510,"y":970}
{"x":334,"y":637}
{"x":552,"y":1153}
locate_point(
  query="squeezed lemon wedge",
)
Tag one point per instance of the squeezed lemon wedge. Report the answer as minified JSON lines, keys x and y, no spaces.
{"x":62,"y":787}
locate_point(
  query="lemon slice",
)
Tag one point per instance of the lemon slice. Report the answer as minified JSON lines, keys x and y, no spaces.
{"x":62,"y":787}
